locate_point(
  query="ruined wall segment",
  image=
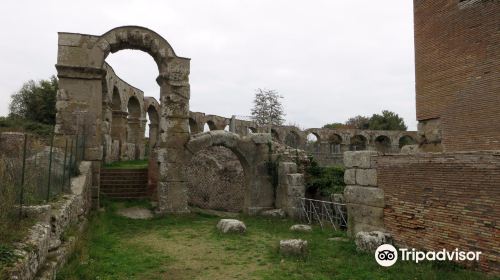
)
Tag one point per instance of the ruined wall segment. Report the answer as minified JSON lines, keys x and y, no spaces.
{"x":457,"y":58}
{"x":449,"y":200}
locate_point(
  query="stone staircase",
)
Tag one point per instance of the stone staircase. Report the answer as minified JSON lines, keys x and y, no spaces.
{"x":124,"y":183}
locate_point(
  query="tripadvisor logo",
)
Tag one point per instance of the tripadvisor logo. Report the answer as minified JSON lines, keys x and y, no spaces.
{"x":386,"y":255}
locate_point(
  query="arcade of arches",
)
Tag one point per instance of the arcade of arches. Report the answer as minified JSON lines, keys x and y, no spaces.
{"x":118,"y":114}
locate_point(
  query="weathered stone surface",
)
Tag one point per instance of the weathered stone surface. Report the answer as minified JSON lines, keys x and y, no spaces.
{"x":231,"y":226}
{"x":366,"y":177}
{"x":288,"y":167}
{"x":410,"y":149}
{"x":370,"y":241}
{"x":296,"y":247}
{"x":369,"y":196}
{"x":350,"y":176}
{"x":274,"y":213}
{"x":301,"y":228}
{"x":360,"y":159}
{"x":360,"y":217}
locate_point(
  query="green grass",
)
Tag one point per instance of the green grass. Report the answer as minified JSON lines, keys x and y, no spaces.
{"x":189,"y":247}
{"x":131,"y":164}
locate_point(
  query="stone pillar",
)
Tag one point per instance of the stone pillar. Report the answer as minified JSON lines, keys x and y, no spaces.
{"x":119,"y":133}
{"x":290,"y":189}
{"x":140,"y":139}
{"x":174,"y":134}
{"x":153,"y":136}
{"x":79,"y":111}
{"x":365,"y":201}
{"x":133,"y":137}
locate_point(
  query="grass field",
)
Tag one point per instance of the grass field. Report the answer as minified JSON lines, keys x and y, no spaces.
{"x":189,"y":247}
{"x":131,"y":164}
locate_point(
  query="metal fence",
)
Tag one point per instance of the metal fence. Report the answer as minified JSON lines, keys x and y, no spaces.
{"x":325,"y":213}
{"x":36,"y":171}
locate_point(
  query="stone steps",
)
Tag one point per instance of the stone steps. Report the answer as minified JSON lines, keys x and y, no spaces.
{"x":124,"y":184}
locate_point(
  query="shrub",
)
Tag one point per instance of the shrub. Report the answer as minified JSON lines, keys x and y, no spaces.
{"x":324,"y":180}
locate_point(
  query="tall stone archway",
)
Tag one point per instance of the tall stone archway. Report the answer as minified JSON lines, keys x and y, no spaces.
{"x":80,"y":68}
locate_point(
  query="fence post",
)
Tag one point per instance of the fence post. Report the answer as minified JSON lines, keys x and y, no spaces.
{"x":70,"y":164}
{"x":64,"y":165}
{"x":21,"y":197}
{"x":50,"y":167}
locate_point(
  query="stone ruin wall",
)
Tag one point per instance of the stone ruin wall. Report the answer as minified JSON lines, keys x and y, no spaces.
{"x":428,"y":201}
{"x":216,"y":180}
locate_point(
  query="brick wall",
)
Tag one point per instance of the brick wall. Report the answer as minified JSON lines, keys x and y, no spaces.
{"x":457,"y":67}
{"x":449,"y":200}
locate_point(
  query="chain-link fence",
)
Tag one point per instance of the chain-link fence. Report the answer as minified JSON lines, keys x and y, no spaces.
{"x":33,"y":170}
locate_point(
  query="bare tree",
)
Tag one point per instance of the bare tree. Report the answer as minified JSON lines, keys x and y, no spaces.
{"x":267,"y":109}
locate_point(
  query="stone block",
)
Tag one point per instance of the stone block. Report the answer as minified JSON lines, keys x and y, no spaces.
{"x":368,"y":196}
{"x":231,"y":226}
{"x":296,"y":179}
{"x":364,"y":218}
{"x":288,"y":167}
{"x":274,"y":213}
{"x":359,"y":159}
{"x":297,"y":247}
{"x":301,"y":228}
{"x":366,"y":177}
{"x":350,"y":176}
{"x":370,"y":241}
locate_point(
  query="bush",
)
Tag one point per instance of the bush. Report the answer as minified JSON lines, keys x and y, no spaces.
{"x":324,"y":180}
{"x":23,"y":125}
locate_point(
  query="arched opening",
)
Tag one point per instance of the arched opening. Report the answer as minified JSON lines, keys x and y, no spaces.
{"x":334,"y":144}
{"x":292,"y":139}
{"x":358,"y":143}
{"x":134,"y":133}
{"x":275,"y":136}
{"x":193,"y":126}
{"x":406,"y":140}
{"x":312,"y":143}
{"x":153,"y":123}
{"x":211,"y":126}
{"x":383,"y":144}
{"x":216,"y":179}
{"x":226,"y":128}
{"x":251,"y":130}
{"x":118,"y":126}
{"x":206,"y":127}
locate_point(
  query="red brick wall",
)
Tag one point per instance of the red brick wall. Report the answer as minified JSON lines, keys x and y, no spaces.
{"x":450,"y":200}
{"x":457,"y":68}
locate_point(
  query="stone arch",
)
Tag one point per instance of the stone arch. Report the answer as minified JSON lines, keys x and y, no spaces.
{"x":313,"y":142}
{"x":358,"y":143}
{"x":193,"y":126}
{"x":406,"y":140}
{"x":236,"y":144}
{"x":292,"y":139}
{"x":382,"y":143}
{"x":334,"y":143}
{"x":211,"y":125}
{"x":251,"y":130}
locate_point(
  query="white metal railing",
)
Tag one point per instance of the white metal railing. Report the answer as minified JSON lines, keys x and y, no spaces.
{"x":324,"y":212}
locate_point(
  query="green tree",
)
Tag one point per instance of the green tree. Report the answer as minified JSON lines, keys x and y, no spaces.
{"x":35,"y":101}
{"x":335,"y":125}
{"x":268,"y":108}
{"x":387,"y":121}
{"x":359,"y":122}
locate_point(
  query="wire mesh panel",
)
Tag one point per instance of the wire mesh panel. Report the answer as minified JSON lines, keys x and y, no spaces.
{"x":34,"y":171}
{"x":325,"y":213}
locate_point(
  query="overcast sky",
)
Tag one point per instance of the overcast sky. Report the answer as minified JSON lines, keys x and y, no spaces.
{"x":330,"y":59}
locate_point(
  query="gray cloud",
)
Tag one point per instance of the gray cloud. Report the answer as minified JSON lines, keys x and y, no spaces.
{"x":329,"y":59}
